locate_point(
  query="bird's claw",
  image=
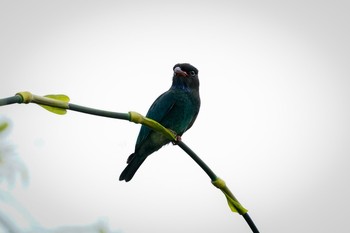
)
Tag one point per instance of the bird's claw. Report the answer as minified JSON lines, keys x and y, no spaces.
{"x":177,"y":137}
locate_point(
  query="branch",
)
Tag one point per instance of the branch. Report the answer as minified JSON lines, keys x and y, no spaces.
{"x":60,"y":103}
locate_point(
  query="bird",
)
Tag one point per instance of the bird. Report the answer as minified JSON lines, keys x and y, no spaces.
{"x":175,"y":109}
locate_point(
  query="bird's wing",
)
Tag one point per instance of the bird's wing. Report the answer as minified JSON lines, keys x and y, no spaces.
{"x":197,"y":106}
{"x":193,"y":120}
{"x":158,"y":111}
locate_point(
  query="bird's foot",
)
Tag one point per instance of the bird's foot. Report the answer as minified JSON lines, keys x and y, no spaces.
{"x":177,"y":137}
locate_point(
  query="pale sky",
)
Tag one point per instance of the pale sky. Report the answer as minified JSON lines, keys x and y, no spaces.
{"x":274,"y":120}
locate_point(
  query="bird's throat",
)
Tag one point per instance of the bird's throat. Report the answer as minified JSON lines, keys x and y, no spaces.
{"x":181,"y":86}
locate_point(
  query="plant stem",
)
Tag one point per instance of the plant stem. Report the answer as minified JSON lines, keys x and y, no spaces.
{"x":155,"y":126}
{"x":98,"y":112}
{"x":250,"y":223}
{"x":11,"y":100}
{"x":198,"y":160}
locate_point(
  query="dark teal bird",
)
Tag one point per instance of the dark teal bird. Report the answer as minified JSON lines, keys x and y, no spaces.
{"x":176,"y":109}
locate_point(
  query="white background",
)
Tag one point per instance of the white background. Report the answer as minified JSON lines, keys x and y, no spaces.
{"x":274,"y":121}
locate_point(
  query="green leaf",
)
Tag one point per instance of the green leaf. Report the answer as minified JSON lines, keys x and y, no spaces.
{"x":232,"y":202}
{"x":3,"y":126}
{"x":61,"y":97}
{"x":57,"y":110}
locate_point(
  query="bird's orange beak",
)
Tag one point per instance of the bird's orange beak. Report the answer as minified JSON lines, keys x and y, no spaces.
{"x":180,"y":72}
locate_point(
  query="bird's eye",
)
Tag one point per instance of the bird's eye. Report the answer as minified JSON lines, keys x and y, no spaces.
{"x":192,"y":73}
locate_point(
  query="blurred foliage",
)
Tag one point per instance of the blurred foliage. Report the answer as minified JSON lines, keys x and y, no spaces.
{"x":10,"y":166}
{"x":3,"y":126}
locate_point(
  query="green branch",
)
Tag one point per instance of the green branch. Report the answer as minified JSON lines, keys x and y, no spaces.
{"x":60,"y":103}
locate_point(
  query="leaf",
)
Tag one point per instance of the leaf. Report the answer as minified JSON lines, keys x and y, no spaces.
{"x":60,"y":110}
{"x":3,"y":126}
{"x":232,"y":202}
{"x":61,"y":97}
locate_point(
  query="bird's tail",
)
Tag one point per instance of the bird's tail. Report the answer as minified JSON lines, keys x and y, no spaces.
{"x":134,"y":162}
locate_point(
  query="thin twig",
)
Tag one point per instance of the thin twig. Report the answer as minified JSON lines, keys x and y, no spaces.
{"x":27,"y":97}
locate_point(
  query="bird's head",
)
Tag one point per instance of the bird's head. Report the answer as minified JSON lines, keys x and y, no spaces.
{"x":185,"y":76}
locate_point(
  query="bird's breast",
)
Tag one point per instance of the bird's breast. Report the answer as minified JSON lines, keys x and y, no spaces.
{"x":181,"y":114}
